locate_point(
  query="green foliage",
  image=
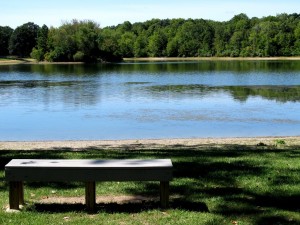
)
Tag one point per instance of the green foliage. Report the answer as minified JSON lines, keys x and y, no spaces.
{"x":108,"y":45}
{"x":126,"y":44}
{"x":23,"y":39}
{"x":41,"y":48}
{"x":37,"y":54}
{"x":140,"y":46}
{"x":84,"y":40}
{"x":157,"y":44}
{"x":239,"y":37}
{"x":74,"y":40}
{"x":42,"y":38}
{"x":79,"y":56}
{"x":5,"y":33}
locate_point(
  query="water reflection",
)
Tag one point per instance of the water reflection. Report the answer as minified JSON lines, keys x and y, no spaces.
{"x":216,"y":66}
{"x":240,"y":93}
{"x":70,"y":93}
{"x":158,"y":67}
{"x":149,"y":100}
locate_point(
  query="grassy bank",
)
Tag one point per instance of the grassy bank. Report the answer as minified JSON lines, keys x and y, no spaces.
{"x":213,"y":184}
{"x":14,"y":60}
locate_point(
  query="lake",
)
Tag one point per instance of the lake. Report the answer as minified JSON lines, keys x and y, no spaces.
{"x":149,"y":100}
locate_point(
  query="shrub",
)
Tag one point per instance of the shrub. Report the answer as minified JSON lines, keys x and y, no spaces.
{"x":79,"y":56}
{"x":37,"y":54}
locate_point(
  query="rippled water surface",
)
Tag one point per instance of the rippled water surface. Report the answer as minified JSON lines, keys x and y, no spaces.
{"x":150,"y":100}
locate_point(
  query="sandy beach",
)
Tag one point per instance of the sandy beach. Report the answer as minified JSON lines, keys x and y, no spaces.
{"x":143,"y":143}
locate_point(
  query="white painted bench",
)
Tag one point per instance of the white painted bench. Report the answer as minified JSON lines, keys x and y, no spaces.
{"x":89,"y":171}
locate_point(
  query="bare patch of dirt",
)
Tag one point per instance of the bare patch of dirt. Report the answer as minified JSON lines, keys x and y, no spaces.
{"x":119,"y":199}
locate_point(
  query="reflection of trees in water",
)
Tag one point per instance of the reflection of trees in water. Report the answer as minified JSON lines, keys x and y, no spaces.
{"x":159,"y":67}
{"x":241,"y":93}
{"x":278,"y":93}
{"x":77,"y":85}
{"x":208,"y":66}
{"x":70,"y":93}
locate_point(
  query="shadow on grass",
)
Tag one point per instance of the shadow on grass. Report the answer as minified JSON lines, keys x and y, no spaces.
{"x":290,"y":203}
{"x":55,"y":185}
{"x":121,"y":208}
{"x":201,"y":173}
{"x":276,"y":220}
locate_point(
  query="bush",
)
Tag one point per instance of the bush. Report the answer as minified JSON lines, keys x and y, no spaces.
{"x":37,"y":54}
{"x":55,"y":55}
{"x":79,"y":56}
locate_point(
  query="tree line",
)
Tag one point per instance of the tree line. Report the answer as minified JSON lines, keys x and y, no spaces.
{"x":86,"y":41}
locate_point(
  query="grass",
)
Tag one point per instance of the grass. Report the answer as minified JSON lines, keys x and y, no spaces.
{"x":15,"y":60}
{"x":227,"y":184}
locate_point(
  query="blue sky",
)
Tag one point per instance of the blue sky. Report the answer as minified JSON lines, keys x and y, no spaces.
{"x":112,"y":12}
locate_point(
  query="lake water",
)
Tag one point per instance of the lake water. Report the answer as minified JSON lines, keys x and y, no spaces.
{"x":150,"y":100}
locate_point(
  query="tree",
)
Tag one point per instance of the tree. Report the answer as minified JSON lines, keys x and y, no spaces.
{"x":140,"y":45}
{"x":41,"y":48}
{"x":108,"y":45}
{"x":5,"y":33}
{"x":297,"y":39}
{"x":285,"y":38}
{"x":262,"y":39}
{"x":239,"y":26}
{"x":221,"y":39}
{"x":126,"y":44}
{"x":87,"y":39}
{"x":23,"y":39}
{"x":74,"y":41}
{"x":157,"y":44}
{"x":172,"y":47}
{"x":195,"y":38}
{"x":125,"y":27}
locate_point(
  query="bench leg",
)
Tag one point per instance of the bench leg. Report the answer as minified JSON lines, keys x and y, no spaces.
{"x":21,"y":193}
{"x":90,"y":196}
{"x":164,"y":194}
{"x":16,"y":194}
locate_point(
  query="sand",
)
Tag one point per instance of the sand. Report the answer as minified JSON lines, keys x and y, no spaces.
{"x":142,"y":143}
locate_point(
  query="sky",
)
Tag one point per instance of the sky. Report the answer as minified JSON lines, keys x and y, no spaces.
{"x":14,"y":13}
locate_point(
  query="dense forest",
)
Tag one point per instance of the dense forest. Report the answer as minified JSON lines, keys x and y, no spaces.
{"x":86,"y":41}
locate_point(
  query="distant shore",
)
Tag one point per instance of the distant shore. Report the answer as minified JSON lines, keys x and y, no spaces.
{"x":161,"y":59}
{"x":4,"y":61}
{"x":146,"y":143}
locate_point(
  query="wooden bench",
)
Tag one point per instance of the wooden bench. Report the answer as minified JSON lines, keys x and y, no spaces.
{"x":89,"y":171}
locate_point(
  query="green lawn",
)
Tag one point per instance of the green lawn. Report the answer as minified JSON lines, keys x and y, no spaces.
{"x":228,"y":184}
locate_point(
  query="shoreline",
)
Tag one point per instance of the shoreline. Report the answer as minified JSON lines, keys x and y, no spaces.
{"x":155,"y":59}
{"x":33,"y":62}
{"x":163,"y":59}
{"x":144,"y":143}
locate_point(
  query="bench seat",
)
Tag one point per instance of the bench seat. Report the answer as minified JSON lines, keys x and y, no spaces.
{"x":88,"y":171}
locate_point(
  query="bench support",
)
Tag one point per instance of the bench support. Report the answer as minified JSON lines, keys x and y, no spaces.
{"x":164,"y":194}
{"x":90,"y":196}
{"x":16,"y":194}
